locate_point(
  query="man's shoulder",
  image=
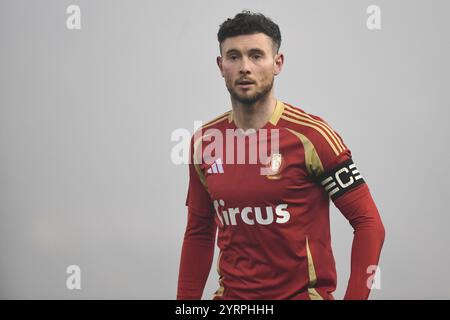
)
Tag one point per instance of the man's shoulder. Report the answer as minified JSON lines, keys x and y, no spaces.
{"x":300,"y":118}
{"x":310,"y":126}
{"x":218,"y":123}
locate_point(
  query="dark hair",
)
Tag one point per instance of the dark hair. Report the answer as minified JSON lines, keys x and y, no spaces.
{"x":247,"y":22}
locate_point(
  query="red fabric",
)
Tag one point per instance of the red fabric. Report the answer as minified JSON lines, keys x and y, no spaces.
{"x":272,"y":229}
{"x":197,"y":256}
{"x":360,"y":210}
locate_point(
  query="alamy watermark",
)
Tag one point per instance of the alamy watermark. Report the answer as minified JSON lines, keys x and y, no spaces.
{"x":231,"y":146}
{"x":73,"y":281}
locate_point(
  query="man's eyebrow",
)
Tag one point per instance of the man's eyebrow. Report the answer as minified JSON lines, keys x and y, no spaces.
{"x":256,"y":50}
{"x":251,"y":51}
{"x":230,"y":51}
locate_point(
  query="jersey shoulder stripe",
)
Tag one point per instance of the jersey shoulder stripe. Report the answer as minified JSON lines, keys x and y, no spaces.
{"x":216,"y":120}
{"x":197,"y":139}
{"x":302,"y":114}
{"x":298,"y":116}
{"x":336,"y":150}
{"x":201,"y":133}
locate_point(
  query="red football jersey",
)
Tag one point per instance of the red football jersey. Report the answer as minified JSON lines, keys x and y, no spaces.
{"x":272,"y":217}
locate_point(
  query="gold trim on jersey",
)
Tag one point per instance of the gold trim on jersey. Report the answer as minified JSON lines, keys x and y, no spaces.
{"x":274,"y":118}
{"x":198,"y":141}
{"x":313,"y":294}
{"x":297,"y":121}
{"x":312,"y":160}
{"x":320,"y":126}
{"x":216,"y":120}
{"x":322,"y":123}
{"x":201,"y":175}
{"x":279,"y":109}
{"x":220,"y":290}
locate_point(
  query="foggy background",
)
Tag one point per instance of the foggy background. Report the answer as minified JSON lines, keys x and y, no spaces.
{"x":86,"y":118}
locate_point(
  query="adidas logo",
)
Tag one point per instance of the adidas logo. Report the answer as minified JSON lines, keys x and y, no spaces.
{"x":216,"y":167}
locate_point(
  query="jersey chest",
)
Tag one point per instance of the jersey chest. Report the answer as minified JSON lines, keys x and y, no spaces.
{"x":278,"y":175}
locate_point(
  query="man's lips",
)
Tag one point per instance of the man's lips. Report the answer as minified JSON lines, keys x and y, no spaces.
{"x":245,"y":83}
{"x":245,"y":86}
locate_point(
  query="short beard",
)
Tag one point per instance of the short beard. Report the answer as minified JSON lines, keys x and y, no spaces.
{"x":251,"y":100}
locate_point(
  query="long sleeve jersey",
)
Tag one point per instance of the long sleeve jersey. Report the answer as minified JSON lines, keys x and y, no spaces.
{"x":271,"y":210}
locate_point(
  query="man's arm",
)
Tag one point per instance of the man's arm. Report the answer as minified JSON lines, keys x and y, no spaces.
{"x":332,"y":164}
{"x":360,"y":210}
{"x":199,"y":239}
{"x":196,"y":256}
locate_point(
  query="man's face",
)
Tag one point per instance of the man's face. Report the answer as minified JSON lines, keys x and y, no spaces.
{"x":249,"y":65}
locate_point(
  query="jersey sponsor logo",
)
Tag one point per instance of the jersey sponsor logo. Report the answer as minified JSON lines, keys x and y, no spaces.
{"x":341,"y":179}
{"x":251,"y":215}
{"x":216,"y":167}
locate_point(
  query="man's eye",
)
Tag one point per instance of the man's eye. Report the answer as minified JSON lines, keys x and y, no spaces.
{"x":233,"y":57}
{"x":256,"y":56}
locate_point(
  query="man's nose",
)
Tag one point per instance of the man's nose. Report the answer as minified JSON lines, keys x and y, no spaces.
{"x":245,"y":65}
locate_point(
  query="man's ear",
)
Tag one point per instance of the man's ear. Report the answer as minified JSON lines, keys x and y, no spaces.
{"x":219,"y":64}
{"x":279,"y":61}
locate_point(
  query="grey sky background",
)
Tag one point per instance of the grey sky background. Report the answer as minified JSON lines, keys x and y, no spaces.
{"x":86,"y":117}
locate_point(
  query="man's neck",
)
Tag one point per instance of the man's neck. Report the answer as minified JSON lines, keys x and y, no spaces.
{"x":253,"y":116}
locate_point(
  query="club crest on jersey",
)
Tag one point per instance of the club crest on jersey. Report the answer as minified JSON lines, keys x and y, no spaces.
{"x":272,"y":171}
